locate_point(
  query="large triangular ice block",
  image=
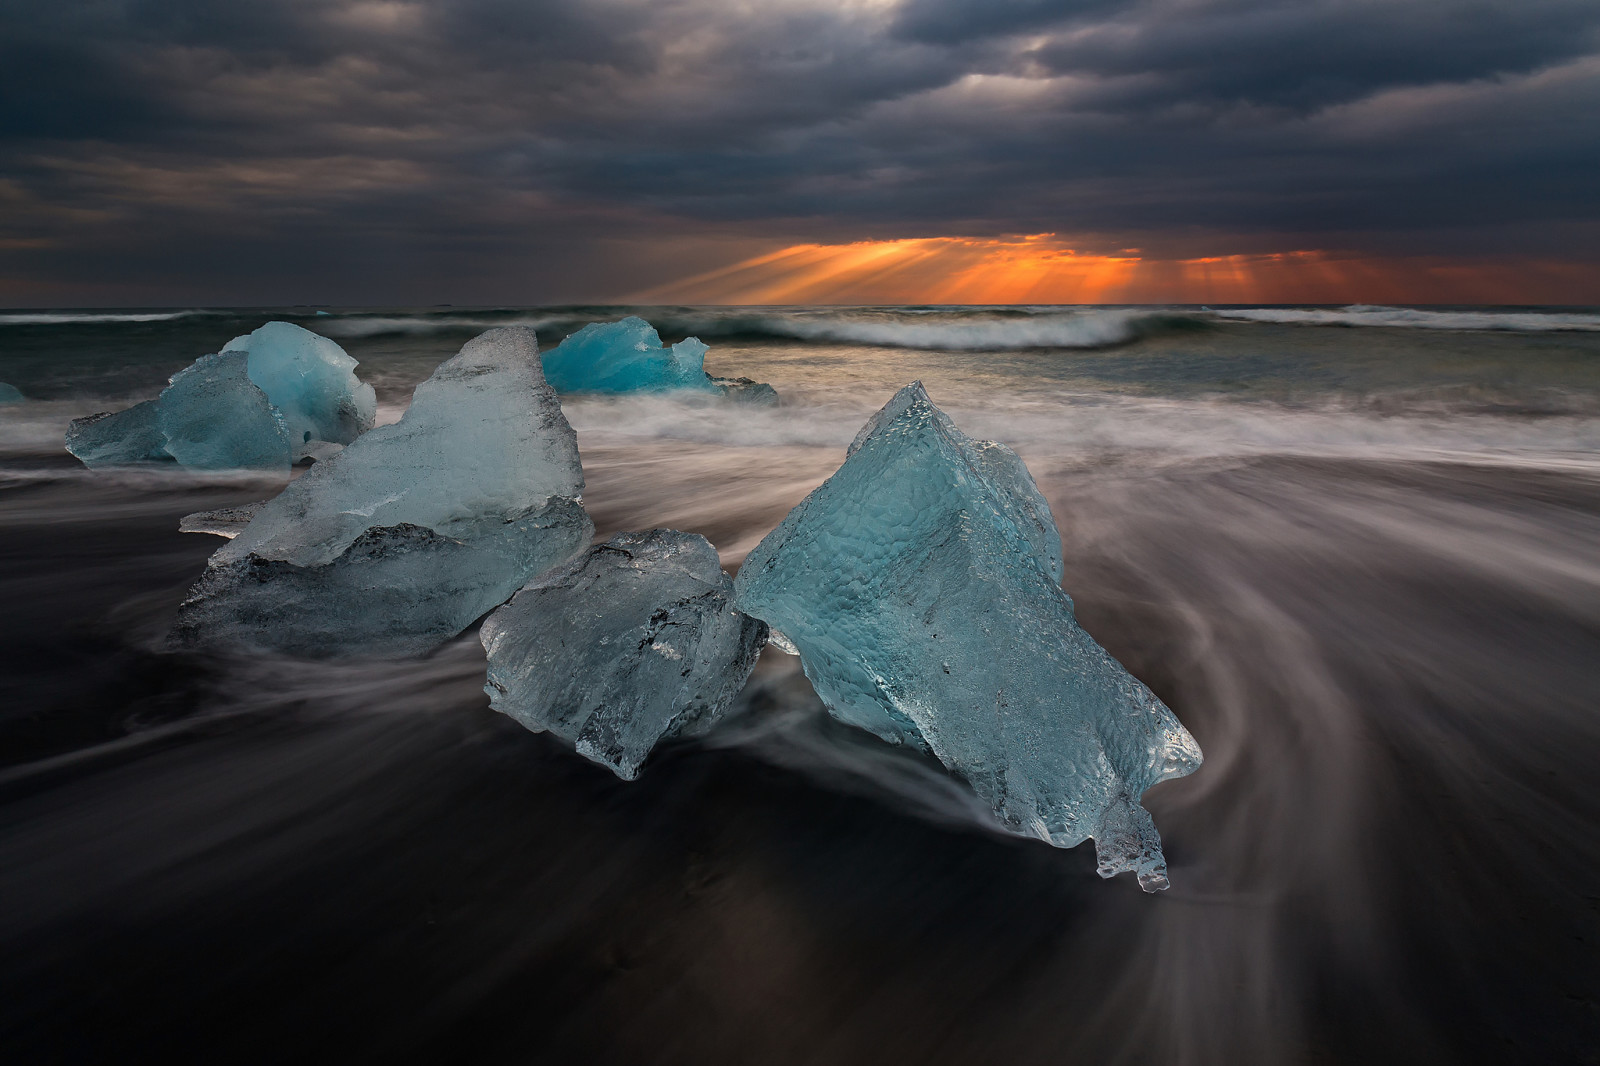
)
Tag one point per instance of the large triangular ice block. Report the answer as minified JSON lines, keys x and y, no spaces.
{"x":920,"y":586}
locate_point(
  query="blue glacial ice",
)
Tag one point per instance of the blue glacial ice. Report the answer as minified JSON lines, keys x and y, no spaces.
{"x":311,"y":381}
{"x":10,"y":394}
{"x":628,"y":356}
{"x":214,"y":418}
{"x":625,"y":356}
{"x":634,"y":641}
{"x":920,"y":585}
{"x":414,"y":530}
{"x":269,"y":399}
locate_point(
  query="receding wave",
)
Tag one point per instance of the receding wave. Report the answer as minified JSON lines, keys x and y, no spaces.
{"x":1413,"y":318}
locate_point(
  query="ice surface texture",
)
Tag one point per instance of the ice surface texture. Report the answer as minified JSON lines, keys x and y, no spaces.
{"x":131,"y":436}
{"x":628,"y":356}
{"x":269,"y":398}
{"x":10,"y":394}
{"x":214,"y":418}
{"x":920,"y":586}
{"x":634,"y":641}
{"x":415,"y":529}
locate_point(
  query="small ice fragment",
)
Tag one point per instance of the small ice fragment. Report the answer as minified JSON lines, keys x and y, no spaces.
{"x":747,"y":391}
{"x":634,"y":641}
{"x":311,"y":381}
{"x":781,"y":642}
{"x":10,"y":394}
{"x":413,"y":530}
{"x":920,"y":583}
{"x":226,"y":522}
{"x":120,"y":438}
{"x":215,"y":418}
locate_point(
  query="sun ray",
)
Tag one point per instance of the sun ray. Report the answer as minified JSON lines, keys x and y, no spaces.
{"x":1046,"y":268}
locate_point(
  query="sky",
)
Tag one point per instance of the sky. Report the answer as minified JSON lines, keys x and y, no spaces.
{"x":187,"y":152}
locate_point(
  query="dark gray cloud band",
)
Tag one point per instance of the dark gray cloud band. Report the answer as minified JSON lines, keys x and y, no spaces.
{"x":523,"y":150}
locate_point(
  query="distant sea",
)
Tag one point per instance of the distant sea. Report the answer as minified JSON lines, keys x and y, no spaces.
{"x":1356,"y":550}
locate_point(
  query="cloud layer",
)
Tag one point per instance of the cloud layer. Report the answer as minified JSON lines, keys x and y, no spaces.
{"x":533,"y":150}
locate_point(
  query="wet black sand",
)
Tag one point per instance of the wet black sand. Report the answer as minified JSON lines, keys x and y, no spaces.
{"x":1389,"y":856}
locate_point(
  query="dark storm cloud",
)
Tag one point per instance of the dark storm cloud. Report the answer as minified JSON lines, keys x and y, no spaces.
{"x":531,"y":149}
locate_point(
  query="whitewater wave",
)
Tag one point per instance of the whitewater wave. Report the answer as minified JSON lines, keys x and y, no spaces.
{"x":78,"y":318}
{"x":1412,"y":318}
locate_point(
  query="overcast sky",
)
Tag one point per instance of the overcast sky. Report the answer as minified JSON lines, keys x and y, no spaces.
{"x":523,"y":151}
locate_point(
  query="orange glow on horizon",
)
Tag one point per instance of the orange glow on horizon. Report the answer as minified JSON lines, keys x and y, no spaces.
{"x":1044,"y":269}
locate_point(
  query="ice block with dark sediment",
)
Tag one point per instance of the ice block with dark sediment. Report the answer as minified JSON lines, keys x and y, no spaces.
{"x":634,"y":641}
{"x":412,"y":531}
{"x":920,"y":586}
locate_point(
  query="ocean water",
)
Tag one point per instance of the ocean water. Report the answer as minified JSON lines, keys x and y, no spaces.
{"x":1357,"y":550}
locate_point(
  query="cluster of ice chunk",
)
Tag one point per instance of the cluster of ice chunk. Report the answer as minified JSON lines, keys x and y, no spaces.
{"x":632,"y":642}
{"x":267,"y":400}
{"x":920,"y":586}
{"x":628,"y":356}
{"x":412,"y":531}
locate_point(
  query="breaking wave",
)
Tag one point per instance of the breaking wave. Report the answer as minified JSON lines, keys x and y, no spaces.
{"x":950,"y":330}
{"x":78,"y":318}
{"x":1413,"y":318}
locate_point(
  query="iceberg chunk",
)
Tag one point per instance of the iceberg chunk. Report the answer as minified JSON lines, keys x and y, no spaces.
{"x":415,"y":529}
{"x":215,"y":418}
{"x":270,"y":398}
{"x":10,"y":394}
{"x":634,"y":641}
{"x":625,"y":356}
{"x":131,"y":436}
{"x":311,"y":381}
{"x":920,"y":586}
{"x":747,"y":391}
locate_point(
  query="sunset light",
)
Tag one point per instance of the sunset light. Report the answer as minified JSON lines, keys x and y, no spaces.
{"x":1043,"y":268}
